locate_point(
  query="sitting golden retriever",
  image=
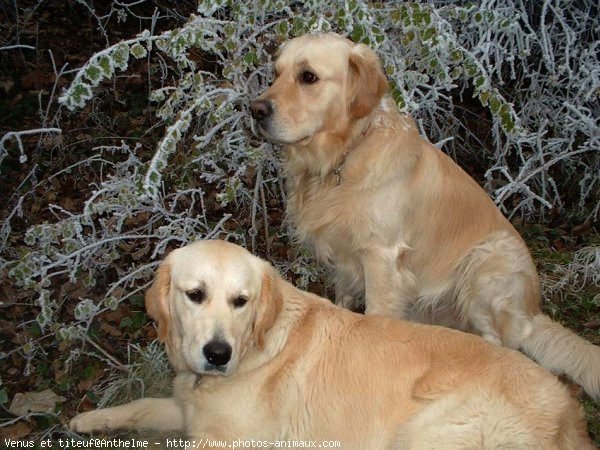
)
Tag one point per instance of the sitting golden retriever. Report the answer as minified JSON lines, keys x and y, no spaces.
{"x":258,"y":359}
{"x":399,"y":221}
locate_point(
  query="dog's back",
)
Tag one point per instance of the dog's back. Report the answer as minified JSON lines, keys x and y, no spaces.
{"x":488,"y":422}
{"x":477,"y":395}
{"x":442,"y":388}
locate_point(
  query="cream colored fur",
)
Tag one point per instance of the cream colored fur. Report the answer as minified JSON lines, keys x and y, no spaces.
{"x":304,"y":369}
{"x":405,"y":228}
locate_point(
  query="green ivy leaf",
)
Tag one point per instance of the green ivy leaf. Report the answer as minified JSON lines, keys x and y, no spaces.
{"x":408,"y":38}
{"x":94,"y":74}
{"x":508,"y":123}
{"x":429,"y":33}
{"x":250,"y":58}
{"x":483,"y":98}
{"x":398,"y":97}
{"x":121,"y":56}
{"x":427,"y":17}
{"x":283,"y":29}
{"x":358,"y":33}
{"x":137,"y":300}
{"x":471,"y":69}
{"x":138,"y":51}
{"x":78,"y":95}
{"x":112,"y":303}
{"x":298,"y":26}
{"x":106,"y":66}
{"x":495,"y":105}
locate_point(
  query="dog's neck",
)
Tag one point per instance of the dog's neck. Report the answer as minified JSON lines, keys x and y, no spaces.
{"x":296,"y":305}
{"x":324,"y":156}
{"x":337,"y":171}
{"x":324,"y":159}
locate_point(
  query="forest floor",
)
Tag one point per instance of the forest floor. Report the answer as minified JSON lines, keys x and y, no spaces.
{"x":62,"y":33}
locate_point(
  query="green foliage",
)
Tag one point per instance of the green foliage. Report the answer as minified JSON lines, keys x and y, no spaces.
{"x":134,"y":322}
{"x":432,"y":53}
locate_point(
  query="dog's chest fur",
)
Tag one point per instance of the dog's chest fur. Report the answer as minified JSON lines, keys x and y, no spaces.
{"x":326,"y":215}
{"x":367,"y":202}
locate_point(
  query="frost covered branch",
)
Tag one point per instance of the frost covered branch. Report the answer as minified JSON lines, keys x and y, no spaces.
{"x":510,"y":88}
{"x":16,"y":135}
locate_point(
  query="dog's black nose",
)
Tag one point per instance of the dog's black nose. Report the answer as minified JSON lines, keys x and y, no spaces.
{"x":261,"y":109}
{"x":217,"y":352}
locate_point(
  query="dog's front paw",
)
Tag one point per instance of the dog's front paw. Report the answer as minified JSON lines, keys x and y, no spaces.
{"x":98,"y":420}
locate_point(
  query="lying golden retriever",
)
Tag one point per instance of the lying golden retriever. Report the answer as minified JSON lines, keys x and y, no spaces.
{"x":399,"y":221}
{"x":258,"y":359}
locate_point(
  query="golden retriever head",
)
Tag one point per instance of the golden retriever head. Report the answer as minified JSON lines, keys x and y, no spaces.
{"x":212,"y":300}
{"x":323,"y":84}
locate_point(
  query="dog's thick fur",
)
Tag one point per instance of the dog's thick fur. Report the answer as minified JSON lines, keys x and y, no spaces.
{"x":304,"y":369}
{"x":399,"y":221}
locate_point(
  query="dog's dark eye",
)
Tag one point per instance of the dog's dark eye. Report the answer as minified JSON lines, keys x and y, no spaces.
{"x":240,"y":301}
{"x":197,"y":296}
{"x":308,"y":77}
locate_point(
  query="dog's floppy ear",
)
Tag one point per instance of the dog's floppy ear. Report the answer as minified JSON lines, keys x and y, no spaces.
{"x":368,"y":83}
{"x":157,"y":298}
{"x":269,"y":306}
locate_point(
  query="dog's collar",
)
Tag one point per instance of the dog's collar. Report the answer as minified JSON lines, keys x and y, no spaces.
{"x":337,"y":171}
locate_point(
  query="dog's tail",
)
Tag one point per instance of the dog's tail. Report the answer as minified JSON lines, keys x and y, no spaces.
{"x":562,"y":351}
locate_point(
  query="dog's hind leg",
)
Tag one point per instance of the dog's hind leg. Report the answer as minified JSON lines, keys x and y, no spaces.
{"x":497,"y":290}
{"x":158,"y":414}
{"x":390,"y":286}
{"x":498,"y":296}
{"x":498,"y":314}
{"x":498,"y":318}
{"x":488,"y":421}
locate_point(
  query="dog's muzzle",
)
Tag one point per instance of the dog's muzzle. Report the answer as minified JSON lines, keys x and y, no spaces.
{"x":261,"y":111}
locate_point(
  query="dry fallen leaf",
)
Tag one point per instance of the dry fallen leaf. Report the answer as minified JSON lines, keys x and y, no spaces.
{"x":6,"y":84}
{"x":44,"y":401}
{"x":36,"y":79}
{"x":14,"y":432}
{"x":594,"y":324}
{"x":111,"y":329}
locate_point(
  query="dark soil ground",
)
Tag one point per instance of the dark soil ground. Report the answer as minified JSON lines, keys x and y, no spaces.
{"x":67,"y":32}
